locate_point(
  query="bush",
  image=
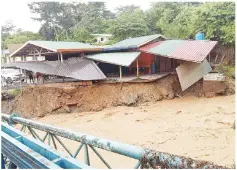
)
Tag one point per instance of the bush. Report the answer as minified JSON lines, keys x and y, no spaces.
{"x":15,"y":92}
{"x":228,"y":71}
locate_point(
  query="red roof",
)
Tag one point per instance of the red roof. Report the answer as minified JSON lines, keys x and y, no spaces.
{"x":187,"y":50}
{"x":149,"y":46}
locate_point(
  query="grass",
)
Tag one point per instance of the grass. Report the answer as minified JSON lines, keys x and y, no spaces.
{"x":228,"y":71}
{"x":15,"y":92}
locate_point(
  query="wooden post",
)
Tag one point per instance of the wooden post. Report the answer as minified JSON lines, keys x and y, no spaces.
{"x":61,"y":57}
{"x":20,"y":81}
{"x":120,"y":72}
{"x":137,"y":69}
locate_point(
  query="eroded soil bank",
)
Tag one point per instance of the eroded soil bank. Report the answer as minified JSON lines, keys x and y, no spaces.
{"x":38,"y":101}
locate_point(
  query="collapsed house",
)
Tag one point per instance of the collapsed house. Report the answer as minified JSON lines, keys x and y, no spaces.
{"x":61,"y":59}
{"x":134,"y":57}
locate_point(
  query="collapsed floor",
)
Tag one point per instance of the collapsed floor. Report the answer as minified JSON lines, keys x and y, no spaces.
{"x":38,"y":101}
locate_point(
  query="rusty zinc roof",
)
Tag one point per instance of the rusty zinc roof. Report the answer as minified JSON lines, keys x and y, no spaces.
{"x":188,"y":50}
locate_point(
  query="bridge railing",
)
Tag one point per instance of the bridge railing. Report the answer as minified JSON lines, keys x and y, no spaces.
{"x":24,"y":152}
{"x":145,"y":158}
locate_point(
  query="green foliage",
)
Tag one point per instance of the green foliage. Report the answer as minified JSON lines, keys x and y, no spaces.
{"x":216,"y":20}
{"x":63,"y":18}
{"x":82,"y":35}
{"x":182,"y":20}
{"x":76,"y":21}
{"x":228,"y":71}
{"x":48,"y":32}
{"x":129,"y":24}
{"x":15,"y":92}
{"x":128,"y":8}
{"x":7,"y":28}
{"x":22,"y":37}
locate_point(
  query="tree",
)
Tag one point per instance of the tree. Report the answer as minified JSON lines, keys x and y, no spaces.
{"x":217,"y":21}
{"x":129,"y":24}
{"x":6,"y":30}
{"x":62,"y":18}
{"x":22,"y":37}
{"x":48,"y":13}
{"x":47,"y":32}
{"x":172,"y":19}
{"x":82,"y":35}
{"x":127,"y":8}
{"x":94,"y":17}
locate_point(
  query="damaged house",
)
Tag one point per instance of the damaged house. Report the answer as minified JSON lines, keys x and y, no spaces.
{"x":147,"y":57}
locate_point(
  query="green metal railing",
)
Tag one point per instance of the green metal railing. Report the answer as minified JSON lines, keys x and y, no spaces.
{"x":145,"y":158}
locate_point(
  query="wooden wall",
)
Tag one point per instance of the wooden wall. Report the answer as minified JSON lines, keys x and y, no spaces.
{"x":163,"y":64}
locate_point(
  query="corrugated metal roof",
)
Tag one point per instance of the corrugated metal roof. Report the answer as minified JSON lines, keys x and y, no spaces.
{"x":52,"y":46}
{"x":189,"y":73}
{"x":55,"y":45}
{"x":149,"y":46}
{"x":188,"y":50}
{"x":117,"y":58}
{"x":36,"y":66}
{"x":133,"y":42}
{"x":77,"y":68}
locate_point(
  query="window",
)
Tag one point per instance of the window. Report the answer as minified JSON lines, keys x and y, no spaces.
{"x":101,"y":39}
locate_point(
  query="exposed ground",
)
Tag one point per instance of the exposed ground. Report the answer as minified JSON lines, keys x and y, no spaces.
{"x":42,"y":100}
{"x":56,"y":98}
{"x":200,"y":128}
{"x":135,"y":113}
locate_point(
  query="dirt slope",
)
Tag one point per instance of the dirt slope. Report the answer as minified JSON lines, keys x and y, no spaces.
{"x":43,"y":100}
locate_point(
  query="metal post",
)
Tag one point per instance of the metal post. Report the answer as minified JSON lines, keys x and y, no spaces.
{"x":20,"y":81}
{"x":86,"y":155}
{"x":101,"y":158}
{"x":137,"y":69}
{"x":120,"y":72}
{"x":49,"y":136}
{"x":45,"y":136}
{"x":78,"y":150}
{"x":54,"y":143}
{"x":2,"y":162}
{"x":137,"y":165}
{"x":63,"y":145}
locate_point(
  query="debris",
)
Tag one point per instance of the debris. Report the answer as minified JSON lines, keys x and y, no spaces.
{"x":177,"y":95}
{"x":67,"y":109}
{"x":178,"y":112}
{"x":7,"y":96}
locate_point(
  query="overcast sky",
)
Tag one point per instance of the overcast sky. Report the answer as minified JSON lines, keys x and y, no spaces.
{"x":19,"y":13}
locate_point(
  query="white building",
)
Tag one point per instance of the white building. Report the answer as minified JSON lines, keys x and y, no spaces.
{"x":102,"y":38}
